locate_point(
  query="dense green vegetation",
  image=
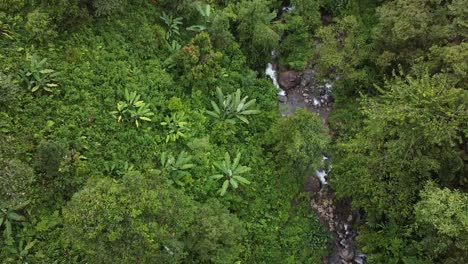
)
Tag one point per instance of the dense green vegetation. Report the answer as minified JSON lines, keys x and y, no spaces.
{"x":134,"y":132}
{"x":145,"y":132}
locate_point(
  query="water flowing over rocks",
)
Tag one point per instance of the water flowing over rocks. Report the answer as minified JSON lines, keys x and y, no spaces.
{"x":303,"y":90}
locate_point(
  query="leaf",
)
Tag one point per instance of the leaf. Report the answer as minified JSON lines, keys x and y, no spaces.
{"x":242,"y":179}
{"x":46,"y":71}
{"x":35,"y":88}
{"x":8,"y":228}
{"x":163,"y":159}
{"x":237,"y":97}
{"x":213,"y":114}
{"x":187,"y":166}
{"x":196,"y":28}
{"x":251,"y":112}
{"x":243,"y":119}
{"x":230,"y":121}
{"x":15,"y":216}
{"x":236,"y":161}
{"x":127,"y":95}
{"x":215,"y":107}
{"x":227,"y":159}
{"x":225,"y":187}
{"x":145,"y":118}
{"x":217,"y":176}
{"x":220,"y":95}
{"x":51,"y":85}
{"x":30,"y":245}
{"x":249,"y":103}
{"x":234,"y":183}
{"x":240,"y":107}
{"x":241,"y":170}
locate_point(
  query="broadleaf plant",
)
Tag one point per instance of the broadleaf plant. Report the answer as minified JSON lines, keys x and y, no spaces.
{"x":231,"y":173}
{"x":177,"y":168}
{"x":38,"y":77}
{"x":132,"y":110}
{"x":176,"y":125}
{"x":232,"y":106}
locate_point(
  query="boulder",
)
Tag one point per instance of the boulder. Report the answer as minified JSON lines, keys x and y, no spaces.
{"x":289,"y":79}
{"x":347,"y":254}
{"x":283,"y":98}
{"x":312,"y":185}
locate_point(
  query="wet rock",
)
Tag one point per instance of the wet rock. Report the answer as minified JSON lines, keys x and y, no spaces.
{"x":312,"y":185}
{"x":289,"y":79}
{"x":283,"y":98}
{"x":307,"y":77}
{"x":347,"y":254}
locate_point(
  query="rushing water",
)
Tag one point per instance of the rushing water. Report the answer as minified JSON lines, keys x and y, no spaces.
{"x":271,"y":72}
{"x":316,"y":97}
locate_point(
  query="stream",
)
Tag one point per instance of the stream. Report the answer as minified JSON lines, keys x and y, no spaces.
{"x":302,"y":90}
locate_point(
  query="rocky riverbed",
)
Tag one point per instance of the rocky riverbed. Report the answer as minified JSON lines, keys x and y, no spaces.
{"x":302,"y":90}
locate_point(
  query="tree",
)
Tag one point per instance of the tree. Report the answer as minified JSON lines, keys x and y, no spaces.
{"x":297,"y":143}
{"x":216,"y":235}
{"x":256,"y":37}
{"x":343,"y":54}
{"x":442,"y":221}
{"x":408,"y":28}
{"x":128,"y":221}
{"x":197,"y":65}
{"x":412,"y":133}
{"x":140,"y":219}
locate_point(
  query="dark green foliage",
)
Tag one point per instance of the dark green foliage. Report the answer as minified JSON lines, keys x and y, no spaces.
{"x":158,"y":222}
{"x":16,"y":184}
{"x":215,"y":236}
{"x":409,"y":133}
{"x":8,"y":90}
{"x":342,"y":54}
{"x":297,"y":143}
{"x":197,"y":64}
{"x":107,"y":7}
{"x":309,"y":12}
{"x":296,"y":48}
{"x":131,"y":220}
{"x":40,"y":26}
{"x":256,"y":37}
{"x":177,"y":169}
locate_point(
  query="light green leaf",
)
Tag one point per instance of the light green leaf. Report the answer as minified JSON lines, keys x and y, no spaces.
{"x":234,"y":183}
{"x":242,"y":179}
{"x":225,"y":187}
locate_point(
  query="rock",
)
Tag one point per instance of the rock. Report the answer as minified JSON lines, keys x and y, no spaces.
{"x":289,"y":79}
{"x":305,"y":95}
{"x":283,"y":98}
{"x":346,"y":254}
{"x":312,"y":185}
{"x":307,"y":77}
{"x":350,"y":218}
{"x":306,"y":101}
